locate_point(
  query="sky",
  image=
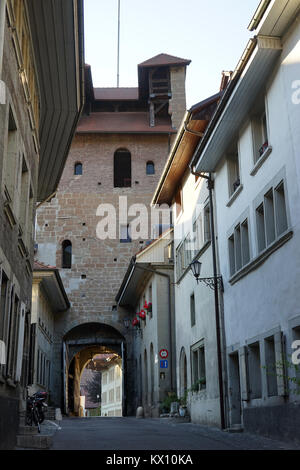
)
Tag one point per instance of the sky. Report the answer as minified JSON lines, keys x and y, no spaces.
{"x":211,"y":33}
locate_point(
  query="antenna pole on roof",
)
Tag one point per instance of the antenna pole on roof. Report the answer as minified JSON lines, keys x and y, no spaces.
{"x":118,"y":56}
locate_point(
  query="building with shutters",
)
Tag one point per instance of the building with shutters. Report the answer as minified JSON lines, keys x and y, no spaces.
{"x":251,"y":146}
{"x":41,"y":54}
{"x":195,"y":337}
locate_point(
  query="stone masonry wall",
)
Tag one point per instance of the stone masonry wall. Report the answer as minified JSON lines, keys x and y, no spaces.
{"x":72,"y":215}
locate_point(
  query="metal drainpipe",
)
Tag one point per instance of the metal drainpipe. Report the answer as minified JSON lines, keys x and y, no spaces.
{"x":210,"y":185}
{"x":2,"y":30}
{"x":170,"y":312}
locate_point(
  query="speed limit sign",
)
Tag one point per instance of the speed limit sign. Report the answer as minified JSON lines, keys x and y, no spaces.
{"x":163,"y":353}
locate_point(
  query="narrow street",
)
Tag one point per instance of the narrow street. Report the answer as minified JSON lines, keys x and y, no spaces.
{"x":153,"y":434}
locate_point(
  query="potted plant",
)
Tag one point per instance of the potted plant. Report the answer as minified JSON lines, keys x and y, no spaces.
{"x":142,"y":314}
{"x":135,"y":322}
{"x":148,"y":306}
{"x":183,"y":407}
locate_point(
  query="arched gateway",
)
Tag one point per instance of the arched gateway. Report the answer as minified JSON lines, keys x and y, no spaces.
{"x":80,"y":344}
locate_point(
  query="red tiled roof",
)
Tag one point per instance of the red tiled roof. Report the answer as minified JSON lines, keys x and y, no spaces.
{"x":164,"y":59}
{"x":116,"y":94}
{"x":38,"y":265}
{"x":127,"y":122}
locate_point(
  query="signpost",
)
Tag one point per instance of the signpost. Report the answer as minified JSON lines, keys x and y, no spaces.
{"x":163,"y":353}
{"x":164,"y":364}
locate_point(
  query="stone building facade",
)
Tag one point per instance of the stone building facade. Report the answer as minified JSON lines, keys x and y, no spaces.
{"x":25,"y":44}
{"x":115,"y":161}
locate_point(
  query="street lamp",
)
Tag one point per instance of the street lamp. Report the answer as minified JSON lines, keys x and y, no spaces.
{"x":209,"y":281}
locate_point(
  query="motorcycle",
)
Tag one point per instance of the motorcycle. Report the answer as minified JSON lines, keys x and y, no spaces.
{"x":35,"y":409}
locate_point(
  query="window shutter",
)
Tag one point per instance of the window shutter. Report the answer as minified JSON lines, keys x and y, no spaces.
{"x":244,"y":373}
{"x":280,"y":364}
{"x":20,"y":342}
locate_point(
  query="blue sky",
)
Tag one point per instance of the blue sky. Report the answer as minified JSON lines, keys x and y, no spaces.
{"x":213,"y":34}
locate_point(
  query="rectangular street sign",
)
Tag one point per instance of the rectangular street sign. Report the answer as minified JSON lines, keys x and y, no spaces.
{"x":164,"y":364}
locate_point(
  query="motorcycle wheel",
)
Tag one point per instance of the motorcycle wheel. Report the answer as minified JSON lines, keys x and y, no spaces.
{"x":36,"y":419}
{"x":29,"y":418}
{"x":41,"y":416}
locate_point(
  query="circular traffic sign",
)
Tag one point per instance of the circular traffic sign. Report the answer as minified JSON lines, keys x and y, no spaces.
{"x":163,"y":353}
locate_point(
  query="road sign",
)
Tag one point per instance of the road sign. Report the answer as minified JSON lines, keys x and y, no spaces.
{"x":164,"y":364}
{"x":163,"y":353}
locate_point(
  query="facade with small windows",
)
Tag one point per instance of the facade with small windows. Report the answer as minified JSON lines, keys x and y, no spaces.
{"x":252,"y":147}
{"x":122,"y":141}
{"x":111,"y":390}
{"x":36,"y":126}
{"x":196,"y":359}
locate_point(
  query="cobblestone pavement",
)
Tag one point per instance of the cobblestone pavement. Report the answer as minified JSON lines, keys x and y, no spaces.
{"x":154,"y":434}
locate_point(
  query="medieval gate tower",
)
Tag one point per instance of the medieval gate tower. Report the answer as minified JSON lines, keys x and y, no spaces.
{"x":120,"y":148}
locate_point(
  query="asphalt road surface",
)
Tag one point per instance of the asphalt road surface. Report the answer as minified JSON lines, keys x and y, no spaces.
{"x":153,"y":434}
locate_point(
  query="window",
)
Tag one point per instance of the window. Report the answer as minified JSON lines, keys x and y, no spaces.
{"x":238,"y":246}
{"x":122,"y":169}
{"x":192,"y":310}
{"x":66,"y":254}
{"x":13,"y":336}
{"x":24,"y":195}
{"x":104,"y":379}
{"x":150,"y":169}
{"x":178,"y":201}
{"x":271,"y":373}
{"x":111,"y":375}
{"x":198,"y":366}
{"x":254,"y":368}
{"x":78,"y":168}
{"x":198,"y":234}
{"x":207,"y":234}
{"x":233,"y":172}
{"x":111,"y":395}
{"x":104,"y":398}
{"x":271,"y":217}
{"x":3,"y":302}
{"x":260,"y":134}
{"x":11,"y":158}
{"x":125,"y":234}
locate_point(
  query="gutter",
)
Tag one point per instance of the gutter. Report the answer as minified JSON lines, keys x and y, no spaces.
{"x":259,"y":13}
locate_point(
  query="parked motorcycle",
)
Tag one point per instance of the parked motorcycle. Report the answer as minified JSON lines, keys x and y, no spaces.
{"x":35,"y":409}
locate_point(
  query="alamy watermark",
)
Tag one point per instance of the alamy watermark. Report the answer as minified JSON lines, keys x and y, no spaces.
{"x":296,"y":353}
{"x":296,"y":93}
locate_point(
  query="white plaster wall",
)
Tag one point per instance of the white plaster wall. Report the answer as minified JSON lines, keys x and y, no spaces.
{"x":203,"y":405}
{"x":268,"y":296}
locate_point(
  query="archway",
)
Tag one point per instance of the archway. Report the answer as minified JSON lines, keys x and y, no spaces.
{"x":182,"y":373}
{"x":93,"y":342}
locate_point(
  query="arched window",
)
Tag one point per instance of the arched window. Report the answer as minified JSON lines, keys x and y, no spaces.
{"x":150,"y":168}
{"x":78,"y":168}
{"x":122,"y":169}
{"x":66,"y":254}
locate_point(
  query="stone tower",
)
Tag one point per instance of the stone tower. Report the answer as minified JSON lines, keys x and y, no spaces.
{"x":116,"y":159}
